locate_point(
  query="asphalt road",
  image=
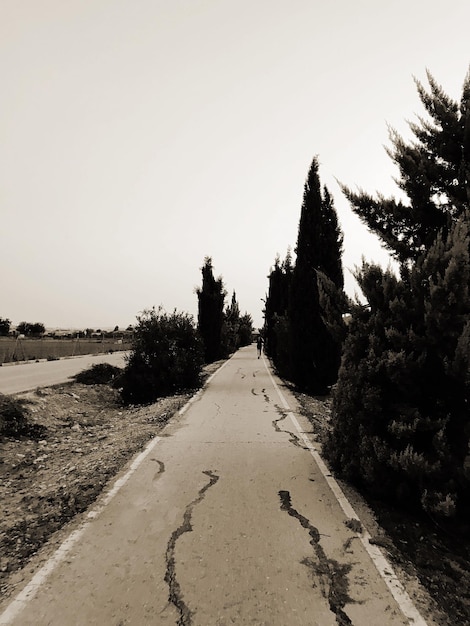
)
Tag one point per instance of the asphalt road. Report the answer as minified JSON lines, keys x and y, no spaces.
{"x":226,"y":518}
{"x":27,"y":376}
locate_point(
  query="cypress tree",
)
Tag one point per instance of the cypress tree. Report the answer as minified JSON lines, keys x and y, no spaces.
{"x":211,"y":297}
{"x":315,"y":352}
{"x":231,"y":326}
{"x":276,"y":324}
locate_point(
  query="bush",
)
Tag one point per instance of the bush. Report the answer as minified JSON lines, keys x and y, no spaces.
{"x":99,"y":374}
{"x":14,"y":419}
{"x":166,"y":357}
{"x":400,"y":423}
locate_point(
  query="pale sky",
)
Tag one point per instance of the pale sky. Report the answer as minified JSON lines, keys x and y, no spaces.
{"x":139,"y":136}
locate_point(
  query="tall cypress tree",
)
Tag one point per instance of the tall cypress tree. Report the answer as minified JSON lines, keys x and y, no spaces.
{"x":315,"y":351}
{"x":231,"y":326}
{"x":277,"y":304}
{"x":211,"y":297}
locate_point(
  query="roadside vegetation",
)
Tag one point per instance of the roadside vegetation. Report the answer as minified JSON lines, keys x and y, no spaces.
{"x":304,"y":325}
{"x":222,"y":329}
{"x":166,"y":357}
{"x":401,"y":421}
{"x":99,"y":374}
{"x":169,"y":350}
{"x":400,"y":370}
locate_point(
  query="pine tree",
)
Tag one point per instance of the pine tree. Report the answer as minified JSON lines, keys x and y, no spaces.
{"x":211,"y":297}
{"x":400,"y":421}
{"x":434,"y":175}
{"x":315,"y":351}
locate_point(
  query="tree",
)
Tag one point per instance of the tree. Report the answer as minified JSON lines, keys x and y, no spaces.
{"x":277,"y":301}
{"x":275,"y":314}
{"x":211,"y":297}
{"x":315,"y":350}
{"x":230,"y":327}
{"x":400,"y":423}
{"x":31,"y":329}
{"x":245,"y":330}
{"x":23,"y":328}
{"x":166,"y":357}
{"x":37,"y":329}
{"x":5,"y":325}
{"x":434,"y":175}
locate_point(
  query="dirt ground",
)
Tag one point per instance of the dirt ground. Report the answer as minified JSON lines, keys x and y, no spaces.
{"x":89,"y":436}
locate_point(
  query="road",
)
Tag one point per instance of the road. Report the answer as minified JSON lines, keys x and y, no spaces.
{"x":27,"y":376}
{"x":228,"y":517}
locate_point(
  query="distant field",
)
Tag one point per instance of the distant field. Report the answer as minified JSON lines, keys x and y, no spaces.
{"x":33,"y":349}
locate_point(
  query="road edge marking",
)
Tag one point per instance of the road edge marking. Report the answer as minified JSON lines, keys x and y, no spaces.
{"x":19,"y":602}
{"x":200,"y":391}
{"x":381,"y":563}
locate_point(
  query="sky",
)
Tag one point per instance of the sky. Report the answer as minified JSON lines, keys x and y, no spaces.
{"x":138,"y":137}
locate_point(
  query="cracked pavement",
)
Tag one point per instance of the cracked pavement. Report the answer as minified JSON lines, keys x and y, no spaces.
{"x":228,"y":520}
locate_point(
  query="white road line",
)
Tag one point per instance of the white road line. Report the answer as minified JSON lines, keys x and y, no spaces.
{"x":19,"y":602}
{"x":198,"y":394}
{"x":383,"y":566}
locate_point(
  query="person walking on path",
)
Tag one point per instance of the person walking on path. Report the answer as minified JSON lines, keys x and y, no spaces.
{"x":259,"y":344}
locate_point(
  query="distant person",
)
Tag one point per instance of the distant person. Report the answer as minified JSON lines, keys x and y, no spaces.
{"x":259,"y":344}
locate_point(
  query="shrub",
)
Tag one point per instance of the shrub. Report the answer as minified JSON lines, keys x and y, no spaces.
{"x":14,"y":419}
{"x":400,"y":423}
{"x":166,"y":357}
{"x":99,"y":374}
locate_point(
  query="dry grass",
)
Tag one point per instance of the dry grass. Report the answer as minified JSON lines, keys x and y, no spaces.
{"x":47,"y":348}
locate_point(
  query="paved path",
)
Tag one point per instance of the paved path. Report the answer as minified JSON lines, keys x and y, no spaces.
{"x":27,"y":376}
{"x":225,"y":519}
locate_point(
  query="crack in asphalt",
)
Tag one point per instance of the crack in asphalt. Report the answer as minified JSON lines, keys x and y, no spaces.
{"x":333,"y":576}
{"x":175,"y":595}
{"x":161,"y":467}
{"x":292,"y":436}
